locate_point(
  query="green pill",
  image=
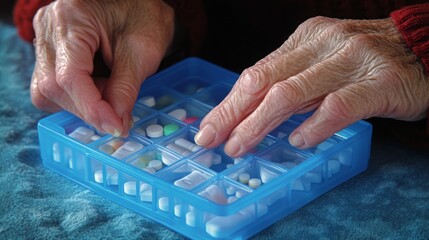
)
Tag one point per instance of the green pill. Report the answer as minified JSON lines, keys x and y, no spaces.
{"x":170,"y":129}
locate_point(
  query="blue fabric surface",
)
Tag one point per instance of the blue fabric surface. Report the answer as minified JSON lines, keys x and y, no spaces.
{"x":388,"y":201}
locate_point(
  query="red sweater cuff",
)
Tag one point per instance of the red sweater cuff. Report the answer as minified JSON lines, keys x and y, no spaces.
{"x":413,"y":23}
{"x":23,"y":15}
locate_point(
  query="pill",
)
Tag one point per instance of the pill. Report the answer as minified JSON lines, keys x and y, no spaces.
{"x":230,"y":190}
{"x":107,"y":149}
{"x":297,"y":185}
{"x":215,"y":194}
{"x":170,"y":129}
{"x":244,"y":178}
{"x":229,"y":165}
{"x":56,"y":152}
{"x":145,"y":192}
{"x":190,"y":219}
{"x":95,"y":137}
{"x":147,"y":101}
{"x":82,"y":134}
{"x":98,"y":176}
{"x":190,"y":120}
{"x":178,"y":210}
{"x":217,"y":159}
{"x":240,"y":194}
{"x":187,"y":144}
{"x":163,"y":204}
{"x":149,"y":170}
{"x":205,"y":159}
{"x":130,"y":188}
{"x":127,"y":149}
{"x":191,"y":180}
{"x":266,"y":175}
{"x":224,"y":226}
{"x":312,"y":177}
{"x":232,"y":199}
{"x":142,"y":162}
{"x":155,"y":164}
{"x":115,"y":143}
{"x":155,"y":131}
{"x":168,"y":159}
{"x":179,"y":114}
{"x":345,"y":157}
{"x":254,"y":183}
{"x":237,"y":160}
{"x":178,"y":149}
{"x":333,"y":167}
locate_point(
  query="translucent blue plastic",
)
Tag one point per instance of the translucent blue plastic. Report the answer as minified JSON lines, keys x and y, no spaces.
{"x":200,"y":193}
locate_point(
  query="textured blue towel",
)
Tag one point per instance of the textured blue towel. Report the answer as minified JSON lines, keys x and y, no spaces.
{"x":389,"y":201}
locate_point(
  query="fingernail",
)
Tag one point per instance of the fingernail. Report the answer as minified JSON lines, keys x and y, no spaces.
{"x":233,"y":146}
{"x":296,"y":140}
{"x":206,"y":135}
{"x":110,"y":130}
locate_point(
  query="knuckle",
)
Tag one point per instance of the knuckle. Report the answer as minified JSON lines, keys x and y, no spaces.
{"x":255,"y":80}
{"x":286,"y":93}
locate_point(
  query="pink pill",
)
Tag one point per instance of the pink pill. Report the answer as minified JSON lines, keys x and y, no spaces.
{"x":190,"y":120}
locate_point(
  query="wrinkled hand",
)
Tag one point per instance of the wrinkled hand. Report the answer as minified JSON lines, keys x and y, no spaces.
{"x":346,"y":70}
{"x":132,"y":37}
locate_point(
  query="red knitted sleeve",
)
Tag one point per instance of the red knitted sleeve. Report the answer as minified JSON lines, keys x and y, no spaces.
{"x":413,"y":23}
{"x":23,"y":14}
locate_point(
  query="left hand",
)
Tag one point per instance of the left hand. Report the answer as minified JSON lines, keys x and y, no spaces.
{"x":346,"y":70}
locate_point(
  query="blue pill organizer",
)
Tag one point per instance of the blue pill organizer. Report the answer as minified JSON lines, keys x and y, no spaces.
{"x":160,"y":173}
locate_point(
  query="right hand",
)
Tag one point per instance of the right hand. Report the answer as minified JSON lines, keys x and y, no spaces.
{"x":131,"y":35}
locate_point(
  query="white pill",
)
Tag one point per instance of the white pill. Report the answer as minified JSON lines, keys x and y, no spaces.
{"x":244,"y":178}
{"x":217,"y":159}
{"x":148,"y":101}
{"x":230,"y":190}
{"x":266,"y":175}
{"x":190,"y":219}
{"x":127,"y":149}
{"x":140,"y":131}
{"x":155,"y":164}
{"x":82,"y":134}
{"x":254,"y":183}
{"x":238,"y":160}
{"x":178,"y":210}
{"x":95,"y":137}
{"x":145,"y":192}
{"x":232,"y":199}
{"x":178,"y":149}
{"x":229,"y":165}
{"x":130,"y":188}
{"x":191,"y":180}
{"x":98,"y":176}
{"x":155,"y":131}
{"x":56,"y":152}
{"x":205,"y":159}
{"x":215,"y":194}
{"x":163,"y":204}
{"x":345,"y":157}
{"x":167,"y":159}
{"x":179,"y":114}
{"x":240,"y":194}
{"x":149,"y":170}
{"x":187,"y":144}
{"x":297,"y":184}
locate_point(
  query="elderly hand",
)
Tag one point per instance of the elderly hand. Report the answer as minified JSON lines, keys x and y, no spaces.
{"x":346,"y":70}
{"x":132,"y":37}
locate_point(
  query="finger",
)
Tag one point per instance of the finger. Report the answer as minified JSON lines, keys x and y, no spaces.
{"x":249,"y":91}
{"x":305,"y":90}
{"x":74,"y":66}
{"x":338,"y":110}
